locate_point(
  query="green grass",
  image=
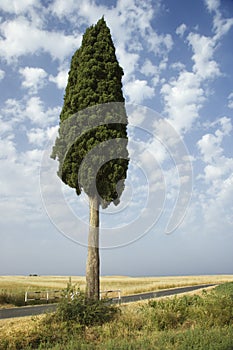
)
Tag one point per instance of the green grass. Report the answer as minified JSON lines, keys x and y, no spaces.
{"x":200,"y":322}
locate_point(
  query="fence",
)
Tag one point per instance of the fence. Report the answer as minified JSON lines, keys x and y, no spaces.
{"x":47,"y":296}
{"x":54,"y":295}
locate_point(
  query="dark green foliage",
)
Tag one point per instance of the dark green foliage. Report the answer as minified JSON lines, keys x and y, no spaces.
{"x":74,"y":306}
{"x":95,"y":75}
{"x":94,"y":114}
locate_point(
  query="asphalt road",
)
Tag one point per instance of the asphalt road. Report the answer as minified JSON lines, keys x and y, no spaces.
{"x":40,"y":309}
{"x":162,"y":293}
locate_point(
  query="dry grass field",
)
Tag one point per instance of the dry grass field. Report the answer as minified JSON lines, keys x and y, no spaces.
{"x":172,"y":323}
{"x":127,"y":285}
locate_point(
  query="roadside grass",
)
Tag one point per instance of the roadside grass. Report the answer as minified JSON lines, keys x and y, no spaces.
{"x":202,"y":321}
{"x":13,"y":288}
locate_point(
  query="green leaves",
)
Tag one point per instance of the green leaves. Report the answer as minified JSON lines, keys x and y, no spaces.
{"x":92,"y":115}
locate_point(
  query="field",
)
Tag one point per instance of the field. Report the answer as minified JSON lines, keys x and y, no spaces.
{"x":16,"y":286}
{"x":168,"y":323}
{"x":200,"y":320}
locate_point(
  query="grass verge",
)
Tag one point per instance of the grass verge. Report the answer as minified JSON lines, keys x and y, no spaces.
{"x":200,"y":322}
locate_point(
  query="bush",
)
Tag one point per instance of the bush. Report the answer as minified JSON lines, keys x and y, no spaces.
{"x":74,"y":306}
{"x":213,"y":309}
{"x":226,"y":289}
{"x":10,"y":298}
{"x":172,"y":313}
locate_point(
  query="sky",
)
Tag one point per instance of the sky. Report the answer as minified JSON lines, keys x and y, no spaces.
{"x":176,"y":213}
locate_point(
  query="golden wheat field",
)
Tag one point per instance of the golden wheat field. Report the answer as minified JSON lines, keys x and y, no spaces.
{"x":127,"y":285}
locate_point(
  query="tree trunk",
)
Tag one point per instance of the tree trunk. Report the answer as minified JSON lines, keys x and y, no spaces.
{"x":93,"y":261}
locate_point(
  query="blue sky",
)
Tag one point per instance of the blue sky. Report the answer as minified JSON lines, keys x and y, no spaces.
{"x":178,"y":84}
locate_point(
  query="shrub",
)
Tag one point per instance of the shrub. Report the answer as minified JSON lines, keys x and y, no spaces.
{"x":172,"y":313}
{"x":74,"y":306}
{"x":10,"y":298}
{"x":225,"y":288}
{"x":209,"y":310}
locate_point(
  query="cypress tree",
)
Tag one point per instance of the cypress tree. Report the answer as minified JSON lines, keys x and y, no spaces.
{"x":92,"y":144}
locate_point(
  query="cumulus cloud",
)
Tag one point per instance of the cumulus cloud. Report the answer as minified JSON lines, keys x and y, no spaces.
{"x":21,"y":37}
{"x":30,"y":109}
{"x":184,"y":96}
{"x":37,"y":114}
{"x":138,"y":90}
{"x":60,"y":79}
{"x":216,"y":200}
{"x":183,"y":99}
{"x":38,"y":136}
{"x":33,"y":78}
{"x":203,"y":48}
{"x":212,"y":152}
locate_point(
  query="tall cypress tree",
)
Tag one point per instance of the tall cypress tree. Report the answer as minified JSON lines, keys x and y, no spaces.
{"x":92,"y":142}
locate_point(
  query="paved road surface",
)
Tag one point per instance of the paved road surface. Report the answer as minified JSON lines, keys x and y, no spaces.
{"x":40,"y":309}
{"x":26,"y":311}
{"x":162,"y":293}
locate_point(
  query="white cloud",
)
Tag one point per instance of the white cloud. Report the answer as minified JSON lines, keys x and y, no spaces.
{"x":129,"y":61}
{"x":19,"y":199}
{"x":7,"y":149}
{"x":177,"y":66}
{"x":185,"y":95}
{"x":34,"y":78}
{"x":21,"y":37}
{"x":32,"y":109}
{"x":39,"y":136}
{"x":161,"y":44}
{"x":221,"y":25}
{"x":138,"y":90}
{"x":152,"y":71}
{"x":5,"y":127}
{"x":203,"y":48}
{"x":63,"y":9}
{"x":212,"y":5}
{"x":183,"y":98}
{"x":149,"y":69}
{"x":181,"y":29}
{"x":2,"y":74}
{"x":230,"y":101}
{"x":217,"y":198}
{"x":61,"y":79}
{"x":210,"y":146}
{"x":36,"y":113}
{"x":16,"y":7}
